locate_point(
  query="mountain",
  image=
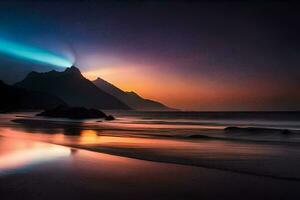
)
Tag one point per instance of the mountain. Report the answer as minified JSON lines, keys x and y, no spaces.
{"x":130,"y":98}
{"x":14,"y":98}
{"x":13,"y":70}
{"x":72,"y":88}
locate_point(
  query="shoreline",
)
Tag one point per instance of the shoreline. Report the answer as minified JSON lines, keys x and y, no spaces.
{"x":157,"y":158}
{"x":83,"y":174}
{"x":159,"y":147}
{"x":147,"y":155}
{"x":97,"y":159}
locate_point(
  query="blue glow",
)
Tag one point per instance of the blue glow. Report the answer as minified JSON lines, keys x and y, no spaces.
{"x":33,"y":53}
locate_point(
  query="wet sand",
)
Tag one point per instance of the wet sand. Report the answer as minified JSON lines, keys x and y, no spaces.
{"x":47,"y":171}
{"x":63,"y":159}
{"x":265,"y":159}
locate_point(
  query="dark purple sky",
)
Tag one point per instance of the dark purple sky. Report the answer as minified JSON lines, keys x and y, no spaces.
{"x":192,"y":55}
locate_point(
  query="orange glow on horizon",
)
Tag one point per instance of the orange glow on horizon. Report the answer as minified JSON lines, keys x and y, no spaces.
{"x":170,"y":89}
{"x":189,"y":93}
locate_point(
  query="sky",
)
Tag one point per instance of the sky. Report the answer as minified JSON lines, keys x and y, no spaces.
{"x":190,"y":55}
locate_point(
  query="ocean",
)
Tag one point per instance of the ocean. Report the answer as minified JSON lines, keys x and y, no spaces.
{"x":263,"y":144}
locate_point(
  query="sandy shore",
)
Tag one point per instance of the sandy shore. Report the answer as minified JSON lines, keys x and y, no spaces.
{"x":59,"y":172}
{"x":279,"y":168}
{"x":91,"y":160}
{"x":277,"y":160}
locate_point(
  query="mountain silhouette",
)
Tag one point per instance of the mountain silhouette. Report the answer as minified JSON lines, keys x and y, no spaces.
{"x":130,"y":98}
{"x":72,"y":88}
{"x":14,"y":98}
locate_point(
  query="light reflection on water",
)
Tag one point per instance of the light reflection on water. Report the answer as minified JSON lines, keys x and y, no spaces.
{"x":247,"y":157}
{"x":16,"y":154}
{"x":92,"y":138}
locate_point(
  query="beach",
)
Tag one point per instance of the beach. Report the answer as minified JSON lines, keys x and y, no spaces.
{"x":60,"y":158}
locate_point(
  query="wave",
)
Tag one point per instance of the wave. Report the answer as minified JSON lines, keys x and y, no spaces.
{"x":147,"y":155}
{"x":242,"y":134}
{"x":235,"y":139}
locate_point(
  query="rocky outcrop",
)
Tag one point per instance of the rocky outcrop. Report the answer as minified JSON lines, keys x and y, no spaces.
{"x":75,"y":113}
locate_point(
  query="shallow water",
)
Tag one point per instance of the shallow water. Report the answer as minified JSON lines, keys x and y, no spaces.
{"x":37,"y":170}
{"x":270,"y":155}
{"x":167,"y":124}
{"x":214,"y":120}
{"x":219,"y":166}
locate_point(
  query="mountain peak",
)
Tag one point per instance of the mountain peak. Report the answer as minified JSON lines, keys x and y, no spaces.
{"x":73,"y":69}
{"x":133,"y":93}
{"x":130,"y":98}
{"x":72,"y":88}
{"x":99,"y":79}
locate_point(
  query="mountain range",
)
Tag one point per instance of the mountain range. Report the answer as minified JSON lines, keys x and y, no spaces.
{"x":130,"y":98}
{"x":70,"y":87}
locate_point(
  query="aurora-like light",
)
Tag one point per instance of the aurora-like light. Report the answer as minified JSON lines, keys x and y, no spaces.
{"x":32,"y":53}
